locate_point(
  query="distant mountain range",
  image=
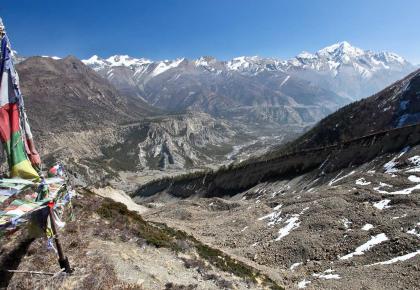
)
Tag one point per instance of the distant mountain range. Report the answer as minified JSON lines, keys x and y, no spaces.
{"x":347,"y":70}
{"x":301,"y":90}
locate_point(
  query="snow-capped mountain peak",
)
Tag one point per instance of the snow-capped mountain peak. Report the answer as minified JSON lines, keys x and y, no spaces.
{"x":97,"y":62}
{"x":205,"y":61}
{"x":125,"y":60}
{"x":93,"y":60}
{"x":163,"y":66}
{"x":305,"y":55}
{"x":242,"y":62}
{"x":341,"y":49}
{"x":333,"y":58}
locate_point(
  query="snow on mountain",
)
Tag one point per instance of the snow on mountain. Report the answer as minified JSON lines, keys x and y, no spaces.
{"x":166,"y":65}
{"x":339,"y":49}
{"x":53,"y":57}
{"x":348,"y":71}
{"x":330,"y":59}
{"x":241,"y":62}
{"x":254,"y":64}
{"x":333,"y":58}
{"x":98,"y":63}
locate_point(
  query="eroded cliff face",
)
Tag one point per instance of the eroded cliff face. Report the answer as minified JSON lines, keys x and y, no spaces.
{"x":171,"y":142}
{"x":174,"y":143}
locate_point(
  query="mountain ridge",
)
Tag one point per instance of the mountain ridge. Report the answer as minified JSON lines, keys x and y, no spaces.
{"x":260,"y":89}
{"x":329,"y":59}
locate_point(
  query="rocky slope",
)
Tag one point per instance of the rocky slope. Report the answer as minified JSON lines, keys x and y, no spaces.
{"x":172,"y":142}
{"x":64,"y":94}
{"x":339,"y":214}
{"x":394,"y":107}
{"x":354,"y":228}
{"x":109,"y":246}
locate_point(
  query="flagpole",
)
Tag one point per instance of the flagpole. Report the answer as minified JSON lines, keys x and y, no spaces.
{"x":62,"y":259}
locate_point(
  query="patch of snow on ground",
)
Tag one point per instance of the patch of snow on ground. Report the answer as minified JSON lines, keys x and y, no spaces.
{"x":323,"y":163}
{"x":302,"y":284}
{"x":414,"y":178}
{"x":303,"y":210}
{"x":295,"y":265}
{"x":382,"y":204}
{"x":390,"y":165}
{"x":398,"y":217}
{"x":398,"y":259}
{"x":415,"y":160}
{"x":405,"y":191}
{"x":346,"y":223}
{"x":273,"y":218}
{"x":381,"y":184}
{"x":337,"y":178}
{"x":414,"y":231}
{"x":375,"y":240}
{"x":278,"y":207}
{"x":362,"y":181}
{"x":327,"y":275}
{"x":367,"y":227}
{"x":291,"y":224}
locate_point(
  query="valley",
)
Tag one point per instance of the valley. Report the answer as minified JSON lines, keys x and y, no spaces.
{"x":316,"y":213}
{"x":251,"y":173}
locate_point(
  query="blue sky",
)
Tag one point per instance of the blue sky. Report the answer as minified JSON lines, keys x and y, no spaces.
{"x":165,"y":29}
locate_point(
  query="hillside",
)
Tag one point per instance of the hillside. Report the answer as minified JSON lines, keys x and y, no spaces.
{"x":339,"y":214}
{"x":81,"y":119}
{"x":394,"y":107}
{"x":109,"y":246}
{"x":75,"y":97}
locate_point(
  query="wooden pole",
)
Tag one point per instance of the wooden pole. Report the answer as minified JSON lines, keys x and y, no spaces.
{"x":62,"y":259}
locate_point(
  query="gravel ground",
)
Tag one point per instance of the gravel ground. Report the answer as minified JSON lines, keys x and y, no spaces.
{"x":320,"y":231}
